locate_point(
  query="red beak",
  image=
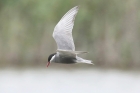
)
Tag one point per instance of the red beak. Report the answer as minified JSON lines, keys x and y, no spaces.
{"x":48,"y":64}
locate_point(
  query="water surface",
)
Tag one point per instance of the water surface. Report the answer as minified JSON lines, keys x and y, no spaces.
{"x":68,"y":81}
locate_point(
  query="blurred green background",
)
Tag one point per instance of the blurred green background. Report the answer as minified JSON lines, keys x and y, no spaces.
{"x":108,"y":29}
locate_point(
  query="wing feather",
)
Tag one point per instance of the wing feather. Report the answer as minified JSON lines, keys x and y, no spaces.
{"x":63,"y":30}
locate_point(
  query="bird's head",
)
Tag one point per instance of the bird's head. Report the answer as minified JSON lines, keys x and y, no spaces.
{"x":51,"y":59}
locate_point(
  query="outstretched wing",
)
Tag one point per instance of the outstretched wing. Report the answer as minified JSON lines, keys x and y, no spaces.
{"x":63,"y":30}
{"x":72,"y":52}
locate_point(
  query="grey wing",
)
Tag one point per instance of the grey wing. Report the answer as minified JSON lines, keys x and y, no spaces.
{"x":63,"y":30}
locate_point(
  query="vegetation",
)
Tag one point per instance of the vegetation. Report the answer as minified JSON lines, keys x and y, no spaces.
{"x":108,"y":29}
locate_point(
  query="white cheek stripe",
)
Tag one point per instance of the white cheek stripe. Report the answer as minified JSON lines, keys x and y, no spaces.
{"x":52,"y":58}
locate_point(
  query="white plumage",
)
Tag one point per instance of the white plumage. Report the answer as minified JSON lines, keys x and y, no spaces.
{"x":65,"y":44}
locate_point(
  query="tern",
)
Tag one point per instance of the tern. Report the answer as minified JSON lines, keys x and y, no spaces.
{"x":65,"y":45}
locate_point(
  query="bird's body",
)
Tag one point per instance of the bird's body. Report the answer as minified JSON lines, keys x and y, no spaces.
{"x":63,"y":36}
{"x":64,"y":59}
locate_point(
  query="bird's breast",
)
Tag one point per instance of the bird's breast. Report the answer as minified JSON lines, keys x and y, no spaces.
{"x":66,"y":60}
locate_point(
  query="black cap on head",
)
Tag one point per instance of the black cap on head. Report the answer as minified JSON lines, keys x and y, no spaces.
{"x":49,"y":58}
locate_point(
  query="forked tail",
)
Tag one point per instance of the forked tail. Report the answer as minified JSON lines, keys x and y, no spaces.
{"x":81,"y":60}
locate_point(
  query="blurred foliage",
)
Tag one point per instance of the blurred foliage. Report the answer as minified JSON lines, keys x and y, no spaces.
{"x":109,"y":29}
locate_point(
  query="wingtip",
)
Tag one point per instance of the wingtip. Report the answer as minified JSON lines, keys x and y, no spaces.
{"x":77,"y":7}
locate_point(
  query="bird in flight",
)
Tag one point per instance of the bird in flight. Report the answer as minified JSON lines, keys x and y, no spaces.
{"x":65,"y":45}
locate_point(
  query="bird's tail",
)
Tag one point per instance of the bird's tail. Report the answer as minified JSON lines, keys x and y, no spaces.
{"x":81,"y":60}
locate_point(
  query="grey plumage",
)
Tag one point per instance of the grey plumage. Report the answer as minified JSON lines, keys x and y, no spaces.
{"x":65,"y":44}
{"x":63,"y":30}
